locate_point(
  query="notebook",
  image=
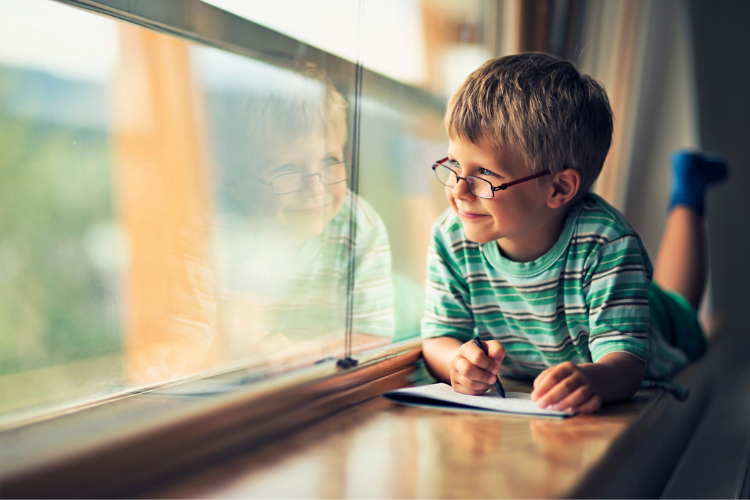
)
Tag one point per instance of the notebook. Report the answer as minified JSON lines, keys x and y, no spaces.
{"x":442,"y":396}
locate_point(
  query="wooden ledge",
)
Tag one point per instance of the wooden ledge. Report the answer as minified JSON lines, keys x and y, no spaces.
{"x":152,"y":435}
{"x":333,"y":437}
{"x":380,"y":450}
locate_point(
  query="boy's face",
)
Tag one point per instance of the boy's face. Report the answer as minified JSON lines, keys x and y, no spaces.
{"x":518,"y":218}
{"x":305,"y":212}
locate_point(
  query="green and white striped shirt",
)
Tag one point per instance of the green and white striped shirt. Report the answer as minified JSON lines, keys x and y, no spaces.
{"x":585,"y":298}
{"x":301,"y":292}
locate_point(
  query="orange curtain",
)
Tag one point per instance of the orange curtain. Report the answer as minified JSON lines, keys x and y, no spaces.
{"x":164,"y":204}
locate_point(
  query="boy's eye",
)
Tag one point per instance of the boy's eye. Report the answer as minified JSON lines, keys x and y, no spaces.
{"x":330,"y":160}
{"x":283,"y":169}
{"x":488,"y":173}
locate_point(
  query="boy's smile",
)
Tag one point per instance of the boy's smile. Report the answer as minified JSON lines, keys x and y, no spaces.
{"x":519,"y":218}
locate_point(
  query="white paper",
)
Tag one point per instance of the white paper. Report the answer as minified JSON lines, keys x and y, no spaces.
{"x":515,"y":402}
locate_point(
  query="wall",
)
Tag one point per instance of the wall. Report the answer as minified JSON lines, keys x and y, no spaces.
{"x":722,"y":43}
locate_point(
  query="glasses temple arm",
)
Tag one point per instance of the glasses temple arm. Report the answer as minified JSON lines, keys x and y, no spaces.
{"x":524,"y":179}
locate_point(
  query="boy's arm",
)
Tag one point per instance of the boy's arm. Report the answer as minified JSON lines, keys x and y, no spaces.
{"x":438,"y":353}
{"x":448,"y":323}
{"x":615,"y":286}
{"x":448,"y":320}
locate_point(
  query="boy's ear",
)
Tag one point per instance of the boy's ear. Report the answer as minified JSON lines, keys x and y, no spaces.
{"x":565,"y":186}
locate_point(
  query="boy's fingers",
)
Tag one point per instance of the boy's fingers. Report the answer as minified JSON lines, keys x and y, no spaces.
{"x":465,"y":368}
{"x":462,"y":390}
{"x":538,"y":381}
{"x":475,"y":355}
{"x":469,"y":386}
{"x":496,"y":353}
{"x":559,"y":392}
{"x":577,"y":398}
{"x":590,"y":406}
{"x":550,"y":378}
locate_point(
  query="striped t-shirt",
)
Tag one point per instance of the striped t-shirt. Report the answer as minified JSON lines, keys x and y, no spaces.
{"x":585,"y":298}
{"x":269,"y":286}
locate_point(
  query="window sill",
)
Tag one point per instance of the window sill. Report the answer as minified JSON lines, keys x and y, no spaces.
{"x":117,"y":448}
{"x":380,"y":450}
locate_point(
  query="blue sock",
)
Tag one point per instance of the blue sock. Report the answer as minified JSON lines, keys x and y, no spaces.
{"x":692,"y":173}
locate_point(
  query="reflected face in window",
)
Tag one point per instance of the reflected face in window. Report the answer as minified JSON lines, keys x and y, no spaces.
{"x":303,"y":183}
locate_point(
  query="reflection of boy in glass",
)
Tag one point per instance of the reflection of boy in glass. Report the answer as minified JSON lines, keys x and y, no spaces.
{"x":285,"y":254}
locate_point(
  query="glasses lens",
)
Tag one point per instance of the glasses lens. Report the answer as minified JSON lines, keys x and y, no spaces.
{"x":287,"y":183}
{"x":333,"y":174}
{"x":480,"y":187}
{"x":445,"y":175}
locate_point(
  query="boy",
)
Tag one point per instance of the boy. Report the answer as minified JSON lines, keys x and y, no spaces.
{"x":553,"y":278}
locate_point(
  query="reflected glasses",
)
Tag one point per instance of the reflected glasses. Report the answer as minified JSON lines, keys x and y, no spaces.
{"x":480,"y":188}
{"x":295,"y":181}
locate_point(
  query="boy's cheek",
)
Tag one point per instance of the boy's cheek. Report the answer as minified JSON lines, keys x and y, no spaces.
{"x":449,"y":196}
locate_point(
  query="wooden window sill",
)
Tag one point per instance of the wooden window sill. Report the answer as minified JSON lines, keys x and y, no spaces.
{"x":121,"y":447}
{"x":380,"y":450}
{"x":323,"y":434}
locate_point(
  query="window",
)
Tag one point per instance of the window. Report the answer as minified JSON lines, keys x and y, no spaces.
{"x":198,"y":186}
{"x":188,"y":202}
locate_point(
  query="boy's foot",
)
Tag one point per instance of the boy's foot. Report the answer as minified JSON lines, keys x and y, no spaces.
{"x":692,"y":173}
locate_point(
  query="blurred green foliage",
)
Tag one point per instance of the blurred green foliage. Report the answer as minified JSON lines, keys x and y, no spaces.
{"x":58,"y":288}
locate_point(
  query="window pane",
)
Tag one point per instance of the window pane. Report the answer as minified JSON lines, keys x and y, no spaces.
{"x":403,"y":135}
{"x":168,"y":209}
{"x":63,"y":249}
{"x":287,"y":279}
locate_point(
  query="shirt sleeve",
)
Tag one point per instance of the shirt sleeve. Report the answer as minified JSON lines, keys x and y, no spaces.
{"x":615,"y":288}
{"x":447,"y":311}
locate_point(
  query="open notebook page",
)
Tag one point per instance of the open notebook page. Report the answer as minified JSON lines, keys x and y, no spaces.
{"x":443,"y":396}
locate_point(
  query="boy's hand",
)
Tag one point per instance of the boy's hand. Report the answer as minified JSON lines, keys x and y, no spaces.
{"x":473,"y":372}
{"x":566,"y":387}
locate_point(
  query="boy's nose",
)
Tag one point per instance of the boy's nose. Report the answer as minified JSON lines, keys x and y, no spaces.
{"x":461,"y":190}
{"x":313,"y":184}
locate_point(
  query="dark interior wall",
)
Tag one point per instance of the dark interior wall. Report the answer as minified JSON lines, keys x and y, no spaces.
{"x":721,"y":44}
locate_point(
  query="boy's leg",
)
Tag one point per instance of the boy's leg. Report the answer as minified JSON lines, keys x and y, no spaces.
{"x":681,"y":265}
{"x":682,"y":262}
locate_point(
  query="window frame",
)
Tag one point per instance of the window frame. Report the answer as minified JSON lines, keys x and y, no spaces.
{"x":205,"y":24}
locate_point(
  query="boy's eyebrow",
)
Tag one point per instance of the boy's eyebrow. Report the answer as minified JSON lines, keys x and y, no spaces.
{"x":260,"y":165}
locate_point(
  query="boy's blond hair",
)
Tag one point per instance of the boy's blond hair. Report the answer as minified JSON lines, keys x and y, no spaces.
{"x":304,"y":100}
{"x":539,"y":105}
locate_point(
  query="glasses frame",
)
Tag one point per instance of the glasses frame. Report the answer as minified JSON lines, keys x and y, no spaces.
{"x":270,"y":184}
{"x":501,"y":187}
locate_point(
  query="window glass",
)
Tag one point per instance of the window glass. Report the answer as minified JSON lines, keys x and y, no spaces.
{"x":169,"y":209}
{"x":291,"y":281}
{"x":403,"y":135}
{"x":63,"y":249}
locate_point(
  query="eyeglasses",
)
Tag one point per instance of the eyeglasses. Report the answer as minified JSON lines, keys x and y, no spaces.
{"x":480,"y":188}
{"x":295,"y":181}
